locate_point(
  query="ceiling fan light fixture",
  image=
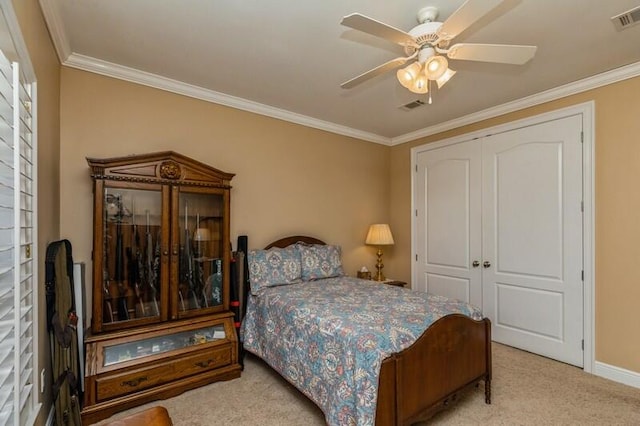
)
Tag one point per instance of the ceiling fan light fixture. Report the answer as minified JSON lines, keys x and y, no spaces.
{"x":429,"y":42}
{"x":436,"y":67}
{"x":407,"y":75}
{"x":445,"y":77}
{"x":420,"y":85}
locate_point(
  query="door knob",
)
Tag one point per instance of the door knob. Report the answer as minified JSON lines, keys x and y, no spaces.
{"x":486,"y":264}
{"x":475,"y":263}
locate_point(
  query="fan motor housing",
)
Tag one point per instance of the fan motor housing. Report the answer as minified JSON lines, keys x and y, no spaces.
{"x":424,"y":34}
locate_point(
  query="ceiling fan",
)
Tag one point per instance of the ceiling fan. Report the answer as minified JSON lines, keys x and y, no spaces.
{"x":428,"y":44}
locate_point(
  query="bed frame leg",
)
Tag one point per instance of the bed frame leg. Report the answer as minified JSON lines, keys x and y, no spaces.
{"x":487,"y":390}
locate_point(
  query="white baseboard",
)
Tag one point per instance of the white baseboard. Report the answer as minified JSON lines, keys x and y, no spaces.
{"x":617,"y":374}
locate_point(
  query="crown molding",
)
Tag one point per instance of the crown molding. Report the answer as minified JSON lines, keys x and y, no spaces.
{"x":109,"y":69}
{"x":603,"y":79}
{"x":53,"y":18}
{"x":52,"y":15}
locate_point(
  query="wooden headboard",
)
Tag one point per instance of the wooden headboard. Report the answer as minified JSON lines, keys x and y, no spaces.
{"x":287,"y":241}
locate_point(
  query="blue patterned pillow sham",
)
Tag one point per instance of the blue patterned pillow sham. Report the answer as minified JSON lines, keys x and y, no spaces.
{"x":276,"y":266}
{"x":320,"y":261}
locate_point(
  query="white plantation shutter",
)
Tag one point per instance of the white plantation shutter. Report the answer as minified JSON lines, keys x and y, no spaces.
{"x":18,"y":373}
{"x":7,"y":264}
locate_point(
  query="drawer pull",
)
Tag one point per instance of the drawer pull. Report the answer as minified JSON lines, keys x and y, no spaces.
{"x":134,"y":382}
{"x":205,"y":364}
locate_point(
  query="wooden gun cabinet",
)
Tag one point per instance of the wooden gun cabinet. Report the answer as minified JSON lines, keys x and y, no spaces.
{"x":161,"y":322}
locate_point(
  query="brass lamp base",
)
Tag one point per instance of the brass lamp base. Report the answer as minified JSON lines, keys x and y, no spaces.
{"x":379,"y":275}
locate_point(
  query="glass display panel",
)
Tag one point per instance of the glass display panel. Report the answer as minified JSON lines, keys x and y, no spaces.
{"x":131,"y":259}
{"x":201,"y":251}
{"x":155,"y":345}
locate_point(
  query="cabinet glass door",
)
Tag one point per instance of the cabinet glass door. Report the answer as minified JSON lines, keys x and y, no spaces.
{"x":201,"y":260}
{"x":115,"y":354}
{"x":131,"y":264}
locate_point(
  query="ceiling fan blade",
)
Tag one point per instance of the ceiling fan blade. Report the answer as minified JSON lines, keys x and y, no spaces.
{"x":371,"y":26}
{"x":464,"y":16}
{"x":501,"y":53}
{"x":381,"y":69}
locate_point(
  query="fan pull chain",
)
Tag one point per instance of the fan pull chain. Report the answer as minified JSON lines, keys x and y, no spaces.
{"x":430,"y":101}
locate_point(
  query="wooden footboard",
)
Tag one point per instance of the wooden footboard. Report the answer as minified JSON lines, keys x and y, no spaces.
{"x":453,"y":354}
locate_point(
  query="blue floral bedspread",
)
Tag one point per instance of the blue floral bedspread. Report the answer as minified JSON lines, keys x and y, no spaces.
{"x":329,"y":337}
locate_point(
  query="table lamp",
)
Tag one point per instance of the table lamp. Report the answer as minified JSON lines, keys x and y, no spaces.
{"x":379,"y":235}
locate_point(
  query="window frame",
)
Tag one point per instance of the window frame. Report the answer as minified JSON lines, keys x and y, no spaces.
{"x":14,"y":47}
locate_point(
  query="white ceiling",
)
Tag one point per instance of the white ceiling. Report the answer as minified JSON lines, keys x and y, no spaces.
{"x":287,"y":58}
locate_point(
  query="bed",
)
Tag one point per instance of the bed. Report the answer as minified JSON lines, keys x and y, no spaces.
{"x":405,"y":357}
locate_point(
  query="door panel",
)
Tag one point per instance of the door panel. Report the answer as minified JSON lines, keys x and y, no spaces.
{"x":512,"y":202}
{"x":448,"y":204}
{"x":540,"y":316}
{"x":448,"y":286}
{"x":532,"y":236}
{"x":528,"y":187}
{"x":449,"y":223}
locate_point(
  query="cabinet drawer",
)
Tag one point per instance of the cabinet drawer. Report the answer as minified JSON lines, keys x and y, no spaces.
{"x":113,"y":385}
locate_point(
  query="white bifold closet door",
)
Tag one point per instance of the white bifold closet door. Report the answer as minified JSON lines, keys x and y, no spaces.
{"x":449,"y":225}
{"x":499,"y":224}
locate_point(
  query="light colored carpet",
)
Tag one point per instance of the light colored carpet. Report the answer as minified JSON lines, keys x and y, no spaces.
{"x":527,"y":390}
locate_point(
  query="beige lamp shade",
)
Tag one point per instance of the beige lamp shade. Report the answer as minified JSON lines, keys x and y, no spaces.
{"x":379,"y":235}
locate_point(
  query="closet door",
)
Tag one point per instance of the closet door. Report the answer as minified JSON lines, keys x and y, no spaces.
{"x":532,"y":238}
{"x":448,"y":221}
{"x":511,"y":204}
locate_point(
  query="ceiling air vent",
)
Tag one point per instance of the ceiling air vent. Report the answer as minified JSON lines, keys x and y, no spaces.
{"x":627,"y":19}
{"x":412,"y":105}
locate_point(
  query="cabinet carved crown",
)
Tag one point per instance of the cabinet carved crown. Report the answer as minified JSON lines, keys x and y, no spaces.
{"x":167,"y":166}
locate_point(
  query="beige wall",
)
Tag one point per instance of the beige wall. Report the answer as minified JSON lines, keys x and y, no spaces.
{"x":47,"y":68}
{"x":289,"y":179}
{"x":617,"y":202}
